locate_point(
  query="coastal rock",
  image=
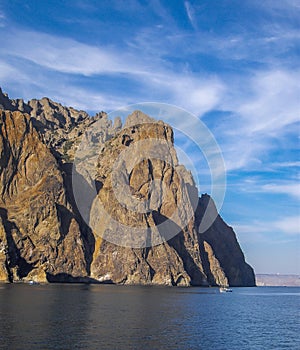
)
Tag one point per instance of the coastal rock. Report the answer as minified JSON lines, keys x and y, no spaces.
{"x":149,"y":207}
{"x":225,"y":258}
{"x":144,"y":218}
{"x":4,"y":271}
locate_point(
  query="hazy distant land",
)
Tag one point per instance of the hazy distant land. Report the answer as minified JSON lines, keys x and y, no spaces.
{"x":277,"y":280}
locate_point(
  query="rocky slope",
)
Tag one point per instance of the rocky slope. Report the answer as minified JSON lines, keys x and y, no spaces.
{"x":143,"y":216}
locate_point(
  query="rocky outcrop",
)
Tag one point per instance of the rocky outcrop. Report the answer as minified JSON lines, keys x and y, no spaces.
{"x":60,"y":127}
{"x":224,"y":257}
{"x":144,"y":204}
{"x":4,"y":258}
{"x":143,"y":216}
{"x":12,"y":105}
{"x":38,"y":227}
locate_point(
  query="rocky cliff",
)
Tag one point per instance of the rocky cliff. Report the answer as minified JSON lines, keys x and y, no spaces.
{"x":134,"y":219}
{"x":40,"y":235}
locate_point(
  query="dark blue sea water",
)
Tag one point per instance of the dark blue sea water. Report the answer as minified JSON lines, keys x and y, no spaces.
{"x":65,"y":316}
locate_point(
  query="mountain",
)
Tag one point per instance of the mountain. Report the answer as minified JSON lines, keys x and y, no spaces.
{"x":274,"y":280}
{"x":85,"y":199}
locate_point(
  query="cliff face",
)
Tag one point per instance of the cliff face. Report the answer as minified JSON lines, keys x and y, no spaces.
{"x":143,"y":218}
{"x":147,"y":207}
{"x":223,"y":255}
{"x":40,"y":235}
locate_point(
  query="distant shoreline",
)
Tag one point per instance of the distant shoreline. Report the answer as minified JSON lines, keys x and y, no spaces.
{"x":292,"y":280}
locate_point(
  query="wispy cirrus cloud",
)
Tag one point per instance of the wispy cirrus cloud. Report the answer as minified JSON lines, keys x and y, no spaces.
{"x":285,"y":164}
{"x":68,"y":56}
{"x":272,"y":101}
{"x":264,"y":108}
{"x":8,"y":72}
{"x":261,"y":185}
{"x":291,"y":189}
{"x":289,"y":225}
{"x":190,"y":14}
{"x":68,"y":93}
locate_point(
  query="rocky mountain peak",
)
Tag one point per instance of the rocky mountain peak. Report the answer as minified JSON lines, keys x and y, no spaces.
{"x":55,"y":116}
{"x":60,"y":127}
{"x":138,"y":117}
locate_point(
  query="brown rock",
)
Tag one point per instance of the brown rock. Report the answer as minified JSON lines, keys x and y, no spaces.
{"x":4,"y":271}
{"x":151,"y":200}
{"x":36,"y":216}
{"x":145,"y":215}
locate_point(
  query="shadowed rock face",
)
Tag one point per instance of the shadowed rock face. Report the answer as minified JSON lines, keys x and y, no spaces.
{"x":44,"y":238}
{"x":223,"y":255}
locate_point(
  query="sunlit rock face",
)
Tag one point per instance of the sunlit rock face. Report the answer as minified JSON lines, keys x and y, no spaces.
{"x":40,"y":234}
{"x":142,"y":222}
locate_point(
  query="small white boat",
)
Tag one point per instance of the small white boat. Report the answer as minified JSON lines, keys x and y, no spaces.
{"x":31,"y":282}
{"x":225,"y":290}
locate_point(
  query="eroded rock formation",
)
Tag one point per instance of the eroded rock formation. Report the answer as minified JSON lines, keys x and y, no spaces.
{"x":143,"y":219}
{"x":39,"y":232}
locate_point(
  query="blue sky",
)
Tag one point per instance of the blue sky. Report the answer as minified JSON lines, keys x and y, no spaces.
{"x":233,"y":64}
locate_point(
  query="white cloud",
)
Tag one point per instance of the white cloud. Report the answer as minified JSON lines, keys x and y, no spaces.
{"x":289,"y":225}
{"x":67,"y":55}
{"x":292,"y":189}
{"x":80,"y":98}
{"x":11,"y":74}
{"x":264,"y":108}
{"x":64,"y":55}
{"x":286,"y":164}
{"x":197,"y":95}
{"x":267,"y":231}
{"x":274,"y":101}
{"x":6,"y":71}
{"x":240,"y":151}
{"x":257,"y":184}
{"x":46,"y":85}
{"x":190,"y":14}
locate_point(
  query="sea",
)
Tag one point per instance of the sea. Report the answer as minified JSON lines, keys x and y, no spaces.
{"x":87,"y":316}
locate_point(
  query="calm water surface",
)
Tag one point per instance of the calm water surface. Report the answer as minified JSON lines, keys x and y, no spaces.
{"x":120,"y":317}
